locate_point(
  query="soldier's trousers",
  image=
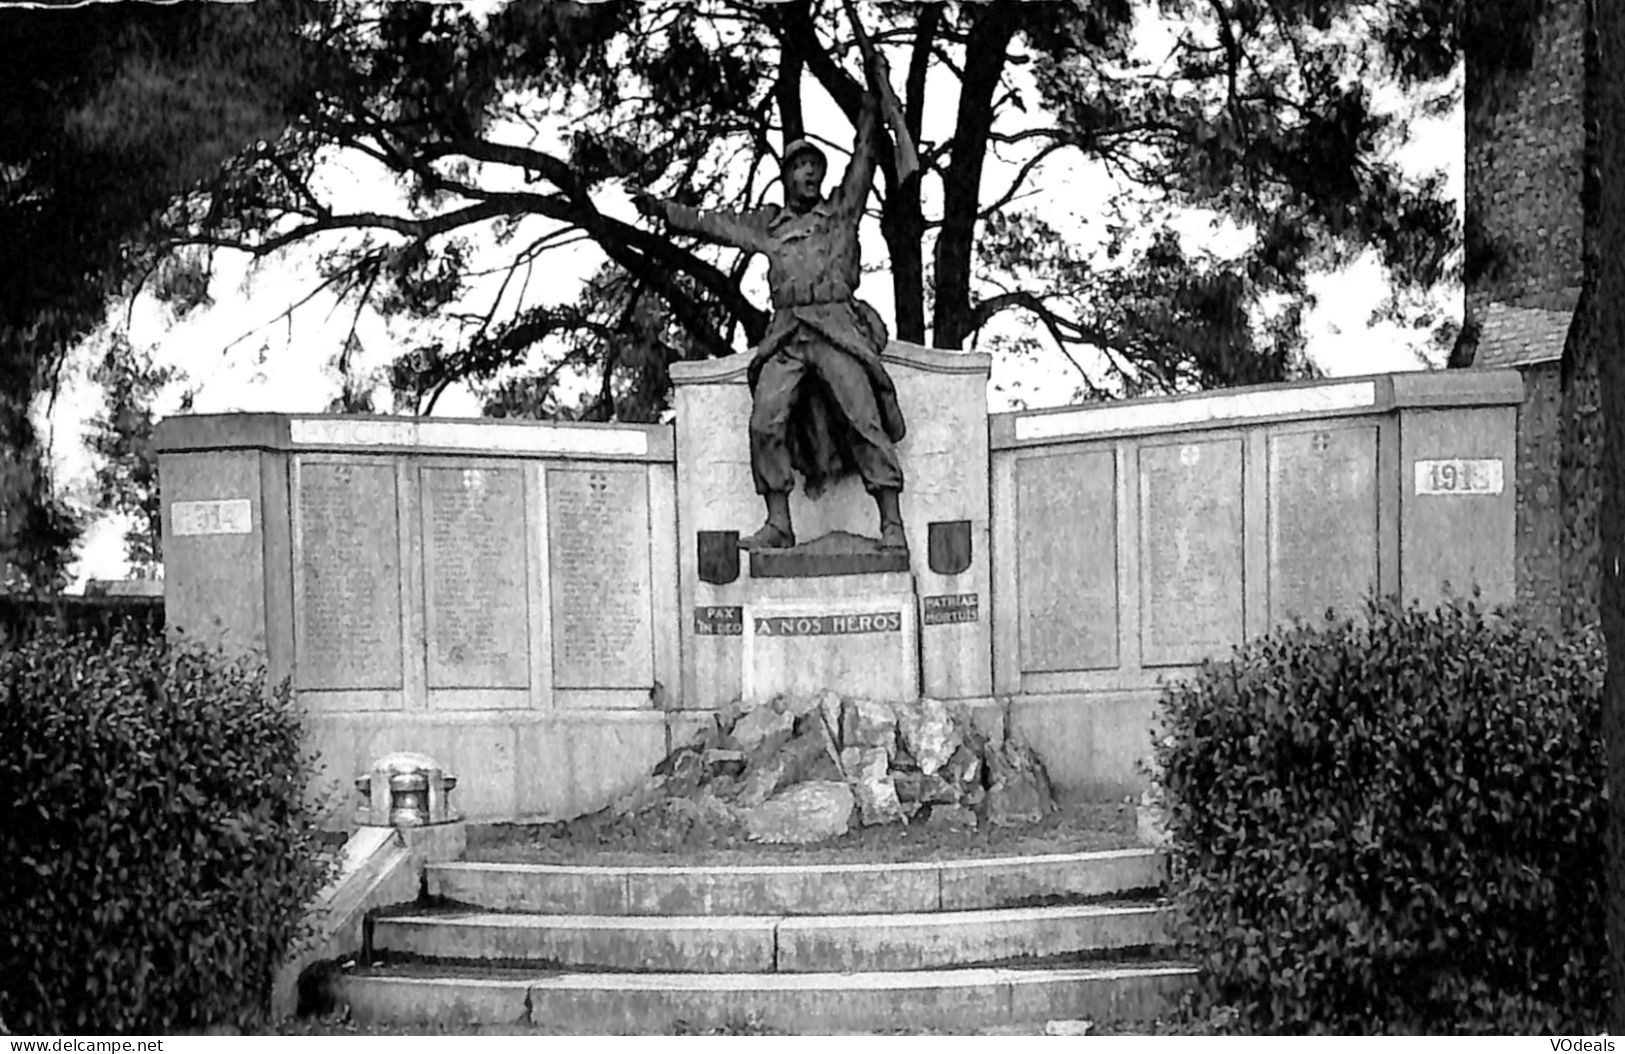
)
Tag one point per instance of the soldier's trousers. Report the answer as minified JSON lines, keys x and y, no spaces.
{"x":777,"y":387}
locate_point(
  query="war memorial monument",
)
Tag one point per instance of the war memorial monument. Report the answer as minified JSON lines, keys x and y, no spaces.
{"x":547,"y":608}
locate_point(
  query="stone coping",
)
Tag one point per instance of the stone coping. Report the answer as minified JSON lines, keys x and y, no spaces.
{"x":731,"y":369}
{"x":1317,"y":399}
{"x":379,"y":867}
{"x":493,"y":438}
{"x":385,"y":434}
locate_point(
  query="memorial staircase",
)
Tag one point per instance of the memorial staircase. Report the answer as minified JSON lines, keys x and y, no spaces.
{"x":959,"y":946}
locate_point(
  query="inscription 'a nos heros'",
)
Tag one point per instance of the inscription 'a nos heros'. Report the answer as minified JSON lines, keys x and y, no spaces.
{"x":826,"y":625}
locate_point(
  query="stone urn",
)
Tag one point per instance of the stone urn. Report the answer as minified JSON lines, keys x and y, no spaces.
{"x":405,"y":789}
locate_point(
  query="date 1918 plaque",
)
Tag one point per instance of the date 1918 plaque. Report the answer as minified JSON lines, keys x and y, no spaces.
{"x":598,"y":557}
{"x":349,"y":580}
{"x":474,"y":577}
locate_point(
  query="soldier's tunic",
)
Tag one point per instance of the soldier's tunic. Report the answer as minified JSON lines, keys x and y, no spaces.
{"x":822,"y":401}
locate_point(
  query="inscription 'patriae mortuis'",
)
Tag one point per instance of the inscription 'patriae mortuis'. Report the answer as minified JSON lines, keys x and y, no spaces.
{"x":954,"y":607}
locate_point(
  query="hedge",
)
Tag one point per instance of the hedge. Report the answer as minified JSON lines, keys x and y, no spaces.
{"x":159,"y":846}
{"x":1393,"y":822}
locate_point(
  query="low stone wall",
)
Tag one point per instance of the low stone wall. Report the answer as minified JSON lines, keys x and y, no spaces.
{"x":525,"y":601}
{"x":1136,"y":540}
{"x":501,"y":595}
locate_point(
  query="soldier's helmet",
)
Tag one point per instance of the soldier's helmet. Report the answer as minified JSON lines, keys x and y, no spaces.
{"x":797,"y":147}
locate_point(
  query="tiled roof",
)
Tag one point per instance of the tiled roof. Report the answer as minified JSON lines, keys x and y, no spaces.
{"x":1520,"y":336}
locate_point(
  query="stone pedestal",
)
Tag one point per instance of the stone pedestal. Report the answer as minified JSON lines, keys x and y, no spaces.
{"x":943,"y":395}
{"x":838,"y":553}
{"x":857,"y":634}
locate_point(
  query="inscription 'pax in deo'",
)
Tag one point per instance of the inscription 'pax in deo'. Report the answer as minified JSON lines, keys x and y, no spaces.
{"x":824,"y":625}
{"x":719,"y":621}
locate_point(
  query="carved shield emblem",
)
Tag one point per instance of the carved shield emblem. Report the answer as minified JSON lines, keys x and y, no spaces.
{"x":949,"y":546}
{"x":719,"y":557}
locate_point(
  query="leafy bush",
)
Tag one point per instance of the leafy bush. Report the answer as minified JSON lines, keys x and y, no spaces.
{"x":158,"y":844}
{"x":1394,"y":822}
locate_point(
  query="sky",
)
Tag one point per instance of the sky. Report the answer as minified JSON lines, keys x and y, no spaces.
{"x":240,"y":354}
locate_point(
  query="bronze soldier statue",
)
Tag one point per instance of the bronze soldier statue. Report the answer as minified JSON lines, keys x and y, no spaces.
{"x":821,"y":399}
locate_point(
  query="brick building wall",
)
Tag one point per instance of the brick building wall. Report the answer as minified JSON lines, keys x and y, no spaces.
{"x":1525,"y":151}
{"x":1525,"y":143}
{"x":1530,"y":340}
{"x":1539,"y":518}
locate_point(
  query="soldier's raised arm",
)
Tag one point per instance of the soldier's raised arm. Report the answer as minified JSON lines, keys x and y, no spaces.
{"x":743,"y":230}
{"x":860,"y":170}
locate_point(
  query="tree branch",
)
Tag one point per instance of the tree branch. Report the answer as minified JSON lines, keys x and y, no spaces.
{"x":287,"y":312}
{"x":919,"y":62}
{"x":985,"y":56}
{"x":787,"y":93}
{"x":1021,"y":178}
{"x":612,"y":235}
{"x":801,"y":37}
{"x":413,"y":228}
{"x":1052,"y":323}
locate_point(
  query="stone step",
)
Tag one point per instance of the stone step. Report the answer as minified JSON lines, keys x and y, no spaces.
{"x":797,"y":889}
{"x":776,"y":944}
{"x":962,"y":1000}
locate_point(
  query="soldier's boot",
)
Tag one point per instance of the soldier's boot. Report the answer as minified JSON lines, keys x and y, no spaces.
{"x":891,"y":520}
{"x":776,"y":533}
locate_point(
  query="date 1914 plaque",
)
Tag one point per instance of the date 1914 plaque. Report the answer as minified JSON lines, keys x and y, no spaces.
{"x":1190,"y":555}
{"x":349,"y":631}
{"x":474,"y":577}
{"x":598,"y":557}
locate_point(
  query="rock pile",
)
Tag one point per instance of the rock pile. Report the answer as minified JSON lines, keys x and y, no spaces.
{"x":805,"y":768}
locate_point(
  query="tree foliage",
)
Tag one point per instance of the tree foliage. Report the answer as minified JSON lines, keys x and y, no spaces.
{"x":517,"y":130}
{"x":112,"y":110}
{"x":140,"y":140}
{"x":121,"y":435}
